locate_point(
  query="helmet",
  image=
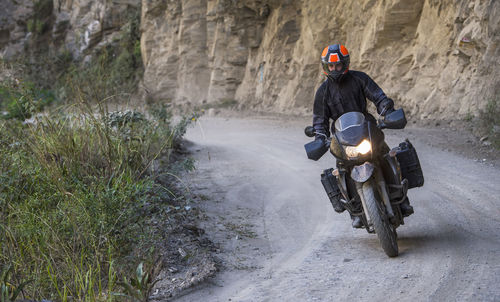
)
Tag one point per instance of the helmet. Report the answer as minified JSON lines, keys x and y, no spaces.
{"x":335,"y":54}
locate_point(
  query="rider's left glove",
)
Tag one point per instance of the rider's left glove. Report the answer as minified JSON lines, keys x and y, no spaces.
{"x":386,"y":106}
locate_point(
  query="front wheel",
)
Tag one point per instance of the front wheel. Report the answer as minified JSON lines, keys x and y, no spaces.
{"x":384,"y":229}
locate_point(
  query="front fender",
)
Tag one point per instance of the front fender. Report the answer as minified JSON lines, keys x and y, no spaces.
{"x":362,"y":172}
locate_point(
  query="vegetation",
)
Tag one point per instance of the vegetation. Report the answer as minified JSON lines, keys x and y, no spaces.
{"x":490,"y":121}
{"x":112,"y":71}
{"x":21,"y":99}
{"x":79,"y":183}
{"x":75,"y":191}
{"x":42,"y":11}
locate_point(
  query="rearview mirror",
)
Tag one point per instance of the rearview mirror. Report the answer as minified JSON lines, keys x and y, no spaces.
{"x":309,"y":131}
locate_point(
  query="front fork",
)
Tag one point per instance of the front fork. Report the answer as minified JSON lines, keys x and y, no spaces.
{"x":363,"y":173}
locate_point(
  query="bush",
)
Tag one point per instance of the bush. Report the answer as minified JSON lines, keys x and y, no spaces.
{"x":113,"y":71}
{"x":42,"y":11}
{"x":490,"y":120}
{"x":75,"y":190}
{"x":77,"y":184}
{"x":21,"y":100}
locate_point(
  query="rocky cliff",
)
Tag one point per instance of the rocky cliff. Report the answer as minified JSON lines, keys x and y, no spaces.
{"x":439,"y":59}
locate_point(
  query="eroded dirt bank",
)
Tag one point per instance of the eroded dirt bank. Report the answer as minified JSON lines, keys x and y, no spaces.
{"x":278,"y":239}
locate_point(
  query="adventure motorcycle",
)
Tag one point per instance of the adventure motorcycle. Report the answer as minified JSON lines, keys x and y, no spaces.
{"x":370,"y":181}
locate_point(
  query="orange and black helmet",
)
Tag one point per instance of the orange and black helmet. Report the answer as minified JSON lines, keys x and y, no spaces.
{"x":334,"y":55}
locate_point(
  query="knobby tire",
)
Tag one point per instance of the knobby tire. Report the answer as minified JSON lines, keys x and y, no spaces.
{"x":385,"y":232}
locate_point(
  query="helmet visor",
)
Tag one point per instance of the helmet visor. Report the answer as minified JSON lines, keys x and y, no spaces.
{"x":336,"y":66}
{"x":329,"y":67}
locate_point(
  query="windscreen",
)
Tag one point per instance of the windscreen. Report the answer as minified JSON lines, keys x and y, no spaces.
{"x":349,"y":119}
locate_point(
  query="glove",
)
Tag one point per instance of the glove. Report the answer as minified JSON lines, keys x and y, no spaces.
{"x":387,"y":111}
{"x":319,"y":138}
{"x":386,"y":106}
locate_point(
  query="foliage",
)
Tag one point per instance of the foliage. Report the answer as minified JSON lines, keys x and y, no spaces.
{"x":76,"y":187}
{"x":111,"y":71}
{"x":22,"y":99}
{"x":42,"y":11}
{"x":490,"y":120}
{"x":8,"y":291}
{"x":469,"y":117}
{"x":78,"y":183}
{"x":139,"y":286}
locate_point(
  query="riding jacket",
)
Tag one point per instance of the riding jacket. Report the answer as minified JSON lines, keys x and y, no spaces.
{"x":334,"y":98}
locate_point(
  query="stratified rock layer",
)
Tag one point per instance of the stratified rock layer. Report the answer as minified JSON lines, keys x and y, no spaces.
{"x":438,"y":59}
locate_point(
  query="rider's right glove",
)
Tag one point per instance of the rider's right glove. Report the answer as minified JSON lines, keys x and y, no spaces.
{"x":320,"y":136}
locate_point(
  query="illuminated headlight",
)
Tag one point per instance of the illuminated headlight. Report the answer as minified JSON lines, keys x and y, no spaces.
{"x":360,"y":149}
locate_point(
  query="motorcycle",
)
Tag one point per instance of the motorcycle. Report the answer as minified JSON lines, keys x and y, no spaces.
{"x":370,"y":181}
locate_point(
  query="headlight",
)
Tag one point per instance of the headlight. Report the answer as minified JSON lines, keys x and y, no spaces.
{"x":360,"y":149}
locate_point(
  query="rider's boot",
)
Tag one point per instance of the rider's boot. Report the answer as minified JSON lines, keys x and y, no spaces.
{"x":406,"y":208}
{"x":337,"y":206}
{"x":356,"y":222}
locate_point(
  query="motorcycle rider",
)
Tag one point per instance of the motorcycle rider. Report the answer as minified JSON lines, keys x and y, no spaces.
{"x":344,"y":91}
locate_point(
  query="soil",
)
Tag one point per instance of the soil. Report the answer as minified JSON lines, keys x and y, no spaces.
{"x":275,"y":237}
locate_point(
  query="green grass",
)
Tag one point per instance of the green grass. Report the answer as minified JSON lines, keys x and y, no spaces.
{"x":22,"y":99}
{"x":78,"y":183}
{"x":75,"y":192}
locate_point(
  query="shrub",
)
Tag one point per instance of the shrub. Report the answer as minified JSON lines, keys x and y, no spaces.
{"x":490,"y":120}
{"x":75,"y":189}
{"x":21,"y":100}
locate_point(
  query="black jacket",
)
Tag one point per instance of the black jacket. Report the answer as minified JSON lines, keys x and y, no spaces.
{"x":336,"y":98}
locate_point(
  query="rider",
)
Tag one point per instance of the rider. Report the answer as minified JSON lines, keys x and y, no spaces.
{"x":344,"y":91}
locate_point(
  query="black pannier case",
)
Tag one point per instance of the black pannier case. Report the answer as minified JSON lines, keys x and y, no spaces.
{"x":332,"y":190}
{"x":410,"y":165}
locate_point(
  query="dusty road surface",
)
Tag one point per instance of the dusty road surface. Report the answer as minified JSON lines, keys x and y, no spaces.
{"x":280,"y":240}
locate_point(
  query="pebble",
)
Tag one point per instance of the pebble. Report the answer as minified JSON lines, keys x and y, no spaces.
{"x":182,"y":252}
{"x":173,"y":270}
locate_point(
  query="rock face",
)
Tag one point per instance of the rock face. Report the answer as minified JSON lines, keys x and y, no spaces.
{"x":78,"y":26}
{"x":438,"y":59}
{"x":198,"y":50}
{"x":13,"y":26}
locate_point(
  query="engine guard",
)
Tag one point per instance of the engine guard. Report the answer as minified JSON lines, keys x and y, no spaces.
{"x":363,"y":172}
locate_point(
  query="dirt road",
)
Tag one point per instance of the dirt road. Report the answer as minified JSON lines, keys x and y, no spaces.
{"x":280,"y":240}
